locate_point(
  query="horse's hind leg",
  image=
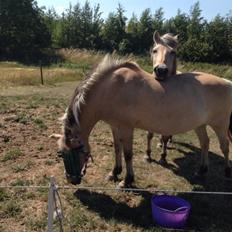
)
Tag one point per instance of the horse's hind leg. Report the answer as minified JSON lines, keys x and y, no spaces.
{"x":147,"y":157}
{"x":117,"y":169}
{"x":204,"y":143}
{"x":163,"y":155}
{"x":222,"y":135}
{"x":127,"y":141}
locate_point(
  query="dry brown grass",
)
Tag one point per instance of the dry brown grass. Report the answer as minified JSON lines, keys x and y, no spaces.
{"x":15,"y":76}
{"x":28,"y":115}
{"x":25,"y":210}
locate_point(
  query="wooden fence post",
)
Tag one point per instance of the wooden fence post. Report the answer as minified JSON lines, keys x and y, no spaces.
{"x":41,"y":73}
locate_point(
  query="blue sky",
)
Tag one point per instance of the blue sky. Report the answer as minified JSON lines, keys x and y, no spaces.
{"x":210,"y":8}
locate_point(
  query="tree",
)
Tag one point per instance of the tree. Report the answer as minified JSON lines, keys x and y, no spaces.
{"x":195,"y":48}
{"x":145,"y":30}
{"x":22,"y":28}
{"x":158,"y":20}
{"x":114,"y":29}
{"x":52,"y":22}
{"x":217,"y":35}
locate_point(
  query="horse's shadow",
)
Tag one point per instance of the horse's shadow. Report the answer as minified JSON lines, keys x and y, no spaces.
{"x":108,"y":208}
{"x":188,"y":164}
{"x":208,"y":212}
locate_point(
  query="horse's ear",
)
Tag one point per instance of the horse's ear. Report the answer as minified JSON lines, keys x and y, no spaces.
{"x":176,"y":37}
{"x":156,"y":37}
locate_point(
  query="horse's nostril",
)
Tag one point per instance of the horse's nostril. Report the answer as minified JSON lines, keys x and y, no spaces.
{"x":161,"y":71}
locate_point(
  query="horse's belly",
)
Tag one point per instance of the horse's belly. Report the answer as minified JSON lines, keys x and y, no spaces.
{"x":172,"y":122}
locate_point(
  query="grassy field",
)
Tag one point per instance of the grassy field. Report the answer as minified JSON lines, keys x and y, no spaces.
{"x":28,"y":115}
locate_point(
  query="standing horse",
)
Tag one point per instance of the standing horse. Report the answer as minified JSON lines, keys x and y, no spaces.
{"x":164,"y":66}
{"x":126,"y":97}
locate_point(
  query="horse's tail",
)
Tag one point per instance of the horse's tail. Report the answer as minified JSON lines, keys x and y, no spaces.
{"x":230,"y":129}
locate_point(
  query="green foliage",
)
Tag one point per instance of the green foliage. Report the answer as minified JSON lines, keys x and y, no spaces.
{"x":82,"y":26}
{"x":113,"y":31}
{"x":22,"y":28}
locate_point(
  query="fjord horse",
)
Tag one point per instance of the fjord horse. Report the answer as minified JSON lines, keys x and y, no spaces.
{"x":164,"y":60}
{"x":123,"y":95}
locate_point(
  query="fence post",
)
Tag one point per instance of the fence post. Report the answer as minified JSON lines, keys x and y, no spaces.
{"x":51,"y":198}
{"x":41,"y":72}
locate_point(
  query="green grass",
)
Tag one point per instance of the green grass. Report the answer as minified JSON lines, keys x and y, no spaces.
{"x":12,"y":154}
{"x":22,"y":118}
{"x":4,"y":195}
{"x":11,"y":209}
{"x":25,"y":166}
{"x":224,"y":71}
{"x":40,"y":123}
{"x":21,"y":182}
{"x":36,"y":224}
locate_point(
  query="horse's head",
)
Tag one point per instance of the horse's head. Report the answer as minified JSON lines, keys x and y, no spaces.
{"x":164,"y":55}
{"x":73,"y":150}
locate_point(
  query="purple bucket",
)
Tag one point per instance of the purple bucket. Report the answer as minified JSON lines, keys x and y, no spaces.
{"x":170,"y":211}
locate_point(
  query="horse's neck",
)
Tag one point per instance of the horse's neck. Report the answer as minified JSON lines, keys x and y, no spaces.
{"x":174,"y":68}
{"x":88,"y":120}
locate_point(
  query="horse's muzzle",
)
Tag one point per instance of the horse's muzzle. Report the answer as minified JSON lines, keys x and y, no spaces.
{"x":73,"y":179}
{"x":161,"y":72}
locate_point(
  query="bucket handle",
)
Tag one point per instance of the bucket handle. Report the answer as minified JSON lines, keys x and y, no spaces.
{"x":181,"y":208}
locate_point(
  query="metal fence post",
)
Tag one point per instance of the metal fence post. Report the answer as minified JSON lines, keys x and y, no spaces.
{"x":51,"y":198}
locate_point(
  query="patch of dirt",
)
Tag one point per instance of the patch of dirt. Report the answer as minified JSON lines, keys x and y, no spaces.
{"x":28,"y":157}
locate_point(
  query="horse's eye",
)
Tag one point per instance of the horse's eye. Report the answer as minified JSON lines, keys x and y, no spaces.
{"x":154,"y":51}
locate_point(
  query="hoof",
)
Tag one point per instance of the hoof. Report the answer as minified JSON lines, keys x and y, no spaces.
{"x":147,"y":159}
{"x":228,"y":172}
{"x":159,"y":145}
{"x":121,"y":185}
{"x":162,"y":161}
{"x":111,"y":177}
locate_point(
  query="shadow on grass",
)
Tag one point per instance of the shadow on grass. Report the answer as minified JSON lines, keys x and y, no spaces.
{"x":108,"y":208}
{"x":208,"y":212}
{"x":214,"y":180}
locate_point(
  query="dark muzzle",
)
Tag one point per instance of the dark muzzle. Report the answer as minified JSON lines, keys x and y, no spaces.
{"x":72,"y":165}
{"x":161,"y":71}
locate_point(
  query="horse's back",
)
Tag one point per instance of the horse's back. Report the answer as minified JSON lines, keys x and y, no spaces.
{"x":182,"y":102}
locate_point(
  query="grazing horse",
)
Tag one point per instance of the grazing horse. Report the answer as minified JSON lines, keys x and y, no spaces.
{"x":123,"y":95}
{"x":163,"y":56}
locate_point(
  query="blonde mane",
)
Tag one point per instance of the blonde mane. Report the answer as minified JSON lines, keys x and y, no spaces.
{"x":107,"y":65}
{"x":170,"y":40}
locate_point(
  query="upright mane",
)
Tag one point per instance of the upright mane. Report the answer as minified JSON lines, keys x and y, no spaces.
{"x":107,"y":65}
{"x":170,"y":40}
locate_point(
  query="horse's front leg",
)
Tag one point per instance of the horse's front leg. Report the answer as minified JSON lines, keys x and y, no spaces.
{"x":127,"y":141}
{"x":117,"y":168}
{"x":204,"y":143}
{"x":147,"y":157}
